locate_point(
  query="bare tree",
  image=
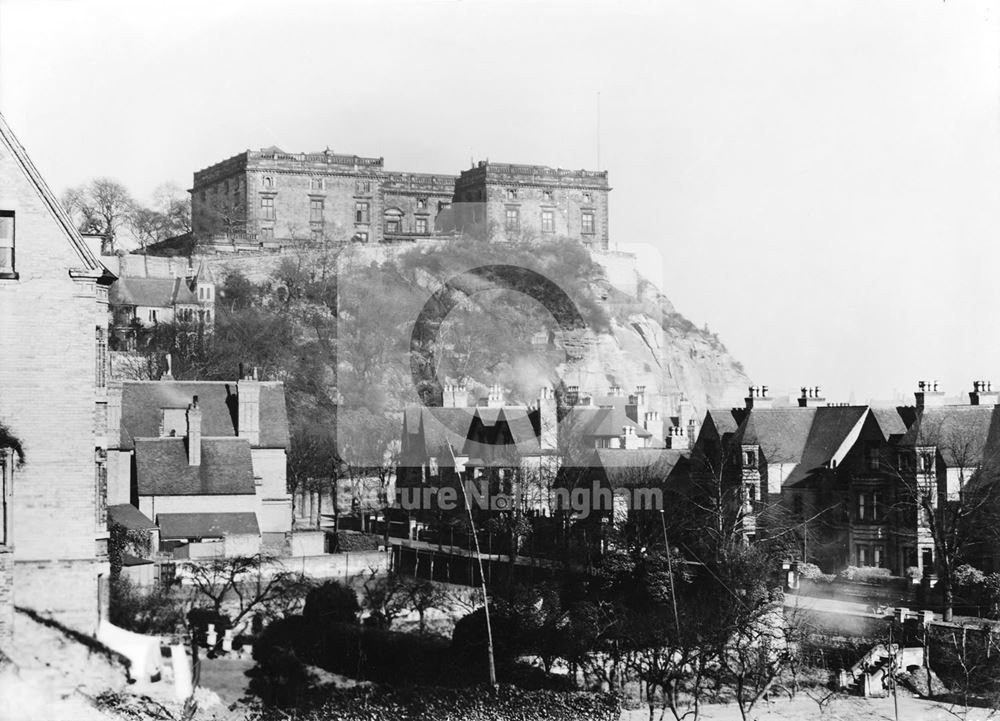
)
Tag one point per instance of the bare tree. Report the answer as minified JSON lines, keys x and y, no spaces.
{"x":948,"y":487}
{"x":102,"y":206}
{"x":246,"y":584}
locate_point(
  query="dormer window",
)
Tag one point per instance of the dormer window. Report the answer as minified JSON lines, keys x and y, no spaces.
{"x":926,"y":462}
{"x":7,"y":244}
{"x":750,"y":459}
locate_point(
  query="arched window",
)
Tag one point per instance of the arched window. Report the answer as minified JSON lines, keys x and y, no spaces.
{"x":393,"y":221}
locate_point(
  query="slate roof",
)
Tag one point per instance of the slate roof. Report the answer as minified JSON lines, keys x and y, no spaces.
{"x":130,"y":517}
{"x":143,"y":401}
{"x":806,"y":438}
{"x":723,"y":420}
{"x":206,"y":525}
{"x":162,"y":467}
{"x":830,"y":428}
{"x":964,"y":435}
{"x":892,"y":421}
{"x":638,"y":467}
{"x":153,"y":292}
{"x":601,"y":422}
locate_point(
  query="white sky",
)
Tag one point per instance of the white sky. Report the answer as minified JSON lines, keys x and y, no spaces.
{"x":821,"y":178}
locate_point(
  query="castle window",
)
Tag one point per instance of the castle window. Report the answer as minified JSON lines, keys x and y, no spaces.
{"x":364,"y":186}
{"x":361,"y":236}
{"x":316,"y":183}
{"x":422,"y":225}
{"x":317,"y":234}
{"x":547,"y":195}
{"x":268,"y":181}
{"x":513,"y":219}
{"x":267,"y":233}
{"x":588,"y":197}
{"x":361,"y":213}
{"x":7,"y":244}
{"x":548,"y":221}
{"x":267,"y":208}
{"x":421,"y":203}
{"x":587,"y":223}
{"x":393,"y":221}
{"x":511,"y":193}
{"x":316,"y":210}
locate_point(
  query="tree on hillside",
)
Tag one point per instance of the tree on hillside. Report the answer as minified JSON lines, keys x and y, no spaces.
{"x":102,"y":207}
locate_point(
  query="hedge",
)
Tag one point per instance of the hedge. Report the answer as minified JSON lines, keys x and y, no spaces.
{"x":354,"y":542}
{"x":430,"y":703}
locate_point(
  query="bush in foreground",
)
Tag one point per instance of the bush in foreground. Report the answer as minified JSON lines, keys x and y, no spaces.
{"x":428,"y":703}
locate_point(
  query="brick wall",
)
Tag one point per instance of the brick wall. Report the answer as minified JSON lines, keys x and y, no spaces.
{"x":48,"y":398}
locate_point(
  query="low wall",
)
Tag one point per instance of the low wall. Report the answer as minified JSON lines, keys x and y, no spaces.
{"x":339,"y":566}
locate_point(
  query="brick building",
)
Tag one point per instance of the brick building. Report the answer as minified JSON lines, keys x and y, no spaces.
{"x":53,"y":396}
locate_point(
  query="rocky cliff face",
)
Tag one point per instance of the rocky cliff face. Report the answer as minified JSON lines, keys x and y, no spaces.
{"x":645,"y":342}
{"x":671,"y":359}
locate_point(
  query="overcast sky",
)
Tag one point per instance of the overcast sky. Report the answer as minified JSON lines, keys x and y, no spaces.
{"x":821,"y":179}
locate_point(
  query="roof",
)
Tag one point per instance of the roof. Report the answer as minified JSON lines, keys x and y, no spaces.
{"x":601,"y":421}
{"x":129,"y":517}
{"x":153,"y":292}
{"x":129,"y":560}
{"x":965,"y":436}
{"x":724,"y":420}
{"x":806,"y":438}
{"x":891,"y":420}
{"x":206,"y":525}
{"x":89,"y":262}
{"x":830,"y":428}
{"x":162,"y":468}
{"x":143,"y":401}
{"x":638,"y":467}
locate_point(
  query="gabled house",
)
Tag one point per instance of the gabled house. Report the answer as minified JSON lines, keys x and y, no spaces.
{"x":53,"y":397}
{"x":188,"y":451}
{"x":144,"y":301}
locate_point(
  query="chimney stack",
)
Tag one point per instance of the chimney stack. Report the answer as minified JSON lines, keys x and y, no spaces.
{"x":758,"y":398}
{"x":455,"y":396}
{"x":629,"y":440}
{"x":248,"y":404}
{"x":194,"y":433}
{"x":983,"y":394}
{"x":928,"y":395}
{"x":494,"y":399}
{"x":572,"y":395}
{"x":811,"y":398}
{"x":677,"y":439}
{"x":654,"y":424}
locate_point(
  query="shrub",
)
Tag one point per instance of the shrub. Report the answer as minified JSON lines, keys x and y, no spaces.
{"x":866,"y":574}
{"x":149,"y":611}
{"x":354,"y":542}
{"x":332,"y":602}
{"x":449,"y":704}
{"x":968,"y":577}
{"x":810,"y":571}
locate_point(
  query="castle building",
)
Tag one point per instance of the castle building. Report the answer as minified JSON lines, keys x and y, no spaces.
{"x":268,"y":199}
{"x":54,"y":399}
{"x":261,"y":198}
{"x":530,"y":202}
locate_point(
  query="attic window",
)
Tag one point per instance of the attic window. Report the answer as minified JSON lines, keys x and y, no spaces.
{"x":7,"y":245}
{"x":750,"y":459}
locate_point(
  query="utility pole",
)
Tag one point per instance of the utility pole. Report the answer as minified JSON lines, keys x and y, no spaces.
{"x":482,"y":581}
{"x":670,"y":571}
